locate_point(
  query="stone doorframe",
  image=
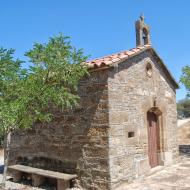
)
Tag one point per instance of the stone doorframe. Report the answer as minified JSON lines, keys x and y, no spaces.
{"x":160,"y":133}
{"x":160,"y":110}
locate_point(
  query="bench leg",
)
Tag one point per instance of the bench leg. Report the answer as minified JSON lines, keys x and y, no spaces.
{"x":17,"y":176}
{"x":62,"y":185}
{"x":37,"y":180}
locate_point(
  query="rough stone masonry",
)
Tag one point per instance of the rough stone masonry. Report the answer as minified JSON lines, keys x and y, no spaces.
{"x":109,"y":139}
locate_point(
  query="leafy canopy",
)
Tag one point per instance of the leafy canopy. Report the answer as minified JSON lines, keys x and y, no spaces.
{"x":183,"y":108}
{"x":185,"y":79}
{"x":10,"y":76}
{"x":26,"y":95}
{"x":184,"y":105}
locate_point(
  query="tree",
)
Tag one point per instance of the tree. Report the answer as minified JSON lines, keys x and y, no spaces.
{"x":184,"y":105}
{"x":183,"y":108}
{"x":10,"y":75}
{"x":185,"y":79}
{"x":52,"y":80}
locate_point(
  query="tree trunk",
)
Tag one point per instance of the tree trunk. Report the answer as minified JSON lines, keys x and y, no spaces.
{"x":6,"y":157}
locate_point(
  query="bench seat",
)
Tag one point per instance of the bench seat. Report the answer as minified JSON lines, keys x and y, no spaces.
{"x":63,"y":179}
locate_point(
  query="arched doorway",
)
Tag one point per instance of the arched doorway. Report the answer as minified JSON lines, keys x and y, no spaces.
{"x":153,"y":138}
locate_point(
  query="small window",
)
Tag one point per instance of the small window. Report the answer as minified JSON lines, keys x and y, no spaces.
{"x":149,"y":70}
{"x":131,"y":134}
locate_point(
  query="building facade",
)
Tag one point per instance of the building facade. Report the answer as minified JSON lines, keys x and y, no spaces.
{"x":125,"y":124}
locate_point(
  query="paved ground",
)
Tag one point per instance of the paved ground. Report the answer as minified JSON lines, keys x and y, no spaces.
{"x":175,"y":177}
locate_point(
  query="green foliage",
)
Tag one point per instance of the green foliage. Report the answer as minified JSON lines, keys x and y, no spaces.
{"x":185,"y":79}
{"x":10,"y":75}
{"x":52,"y":80}
{"x":183,"y":108}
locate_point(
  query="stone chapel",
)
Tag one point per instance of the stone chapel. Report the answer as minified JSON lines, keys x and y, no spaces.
{"x":124,"y":126}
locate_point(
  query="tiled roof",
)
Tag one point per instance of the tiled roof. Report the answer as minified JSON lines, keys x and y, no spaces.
{"x":115,"y":58}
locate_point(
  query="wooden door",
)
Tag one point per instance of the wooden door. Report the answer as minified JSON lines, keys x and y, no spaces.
{"x":153,"y":136}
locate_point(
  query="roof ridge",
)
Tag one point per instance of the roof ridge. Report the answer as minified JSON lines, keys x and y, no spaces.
{"x":123,"y":51}
{"x":115,"y":57}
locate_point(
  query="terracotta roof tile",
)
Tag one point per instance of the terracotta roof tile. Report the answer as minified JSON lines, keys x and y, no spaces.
{"x":130,"y":52}
{"x":114,"y":58}
{"x":122,"y":56}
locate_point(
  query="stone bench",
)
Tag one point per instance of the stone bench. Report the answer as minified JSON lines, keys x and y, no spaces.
{"x":38,"y":176}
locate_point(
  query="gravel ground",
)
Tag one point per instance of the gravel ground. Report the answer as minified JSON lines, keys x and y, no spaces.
{"x":18,"y":186}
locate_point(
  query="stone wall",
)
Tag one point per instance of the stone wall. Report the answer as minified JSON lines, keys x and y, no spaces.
{"x":131,"y":93}
{"x":74,"y":142}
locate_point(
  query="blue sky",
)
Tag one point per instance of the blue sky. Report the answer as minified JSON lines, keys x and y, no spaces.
{"x":100,"y":27}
